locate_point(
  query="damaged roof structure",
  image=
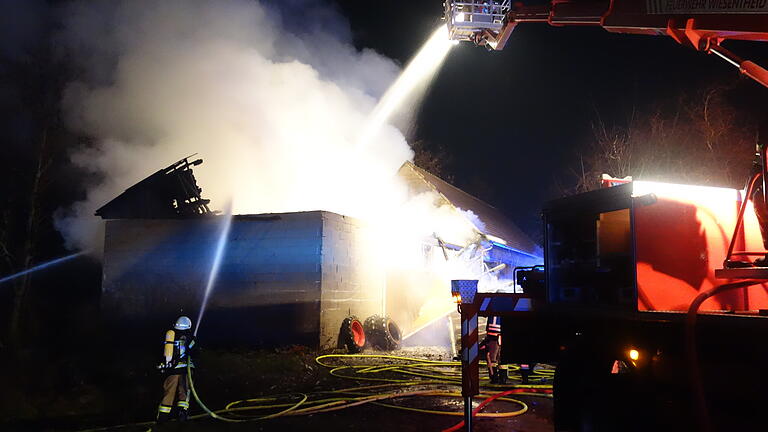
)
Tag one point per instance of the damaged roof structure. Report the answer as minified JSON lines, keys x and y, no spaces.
{"x":285,"y":277}
{"x":168,"y":193}
{"x":488,"y":220}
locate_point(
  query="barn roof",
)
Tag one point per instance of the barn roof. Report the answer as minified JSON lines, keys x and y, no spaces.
{"x":491,"y":220}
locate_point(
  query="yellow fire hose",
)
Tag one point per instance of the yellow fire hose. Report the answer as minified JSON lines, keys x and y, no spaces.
{"x":427,"y":375}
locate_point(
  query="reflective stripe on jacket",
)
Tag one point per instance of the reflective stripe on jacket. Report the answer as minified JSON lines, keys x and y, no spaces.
{"x":493,"y":326}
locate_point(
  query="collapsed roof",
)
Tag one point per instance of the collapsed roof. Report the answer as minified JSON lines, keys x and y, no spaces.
{"x":168,"y":193}
{"x":492,"y":222}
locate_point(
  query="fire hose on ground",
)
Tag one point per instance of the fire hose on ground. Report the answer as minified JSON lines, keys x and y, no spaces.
{"x":422,"y":378}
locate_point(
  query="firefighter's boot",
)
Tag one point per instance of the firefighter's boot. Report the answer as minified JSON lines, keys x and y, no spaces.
{"x":164,"y":413}
{"x":502,"y":374}
{"x":183,"y":409}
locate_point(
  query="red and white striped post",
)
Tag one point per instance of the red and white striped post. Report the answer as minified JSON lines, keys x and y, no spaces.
{"x":464,"y":292}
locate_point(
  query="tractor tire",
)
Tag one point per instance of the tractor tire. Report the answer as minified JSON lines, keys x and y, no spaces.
{"x":352,"y":335}
{"x":383,"y":333}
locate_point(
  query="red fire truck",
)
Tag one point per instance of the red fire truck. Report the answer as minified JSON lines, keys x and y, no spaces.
{"x":650,"y":301}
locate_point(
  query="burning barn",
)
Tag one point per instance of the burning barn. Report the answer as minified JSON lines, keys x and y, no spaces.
{"x":289,"y":277}
{"x":417,"y":295}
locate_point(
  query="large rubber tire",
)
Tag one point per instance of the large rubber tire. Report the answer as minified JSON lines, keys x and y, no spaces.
{"x":578,"y":387}
{"x":588,"y":398}
{"x":566,"y":399}
{"x":352,"y":335}
{"x":383,"y":333}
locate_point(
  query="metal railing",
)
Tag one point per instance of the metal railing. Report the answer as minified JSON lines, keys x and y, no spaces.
{"x":464,"y":18}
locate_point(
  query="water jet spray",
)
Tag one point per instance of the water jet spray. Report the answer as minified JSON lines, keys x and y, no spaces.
{"x":218,"y":256}
{"x":42,"y":266}
{"x":417,"y":74}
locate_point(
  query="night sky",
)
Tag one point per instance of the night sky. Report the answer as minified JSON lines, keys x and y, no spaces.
{"x":510,"y":121}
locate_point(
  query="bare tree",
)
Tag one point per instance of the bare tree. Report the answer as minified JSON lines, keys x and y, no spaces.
{"x":698,"y":140}
{"x":5,"y":253}
{"x":433,"y":158}
{"x":28,"y":252}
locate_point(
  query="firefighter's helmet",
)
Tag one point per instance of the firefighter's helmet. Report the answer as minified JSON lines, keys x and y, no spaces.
{"x":183,"y":323}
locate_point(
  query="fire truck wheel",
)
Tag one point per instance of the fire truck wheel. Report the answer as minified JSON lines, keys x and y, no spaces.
{"x":383,"y":333}
{"x":576,"y":384}
{"x":352,"y":335}
{"x":565,"y":397}
{"x":588,"y":397}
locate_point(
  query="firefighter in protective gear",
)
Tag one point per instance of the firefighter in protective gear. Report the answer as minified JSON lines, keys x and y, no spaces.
{"x":176,"y":356}
{"x":492,"y":344}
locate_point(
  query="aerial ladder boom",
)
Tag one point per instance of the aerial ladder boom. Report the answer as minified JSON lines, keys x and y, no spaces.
{"x":702,"y":25}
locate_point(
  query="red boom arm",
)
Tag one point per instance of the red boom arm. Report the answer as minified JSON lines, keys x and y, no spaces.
{"x":702,"y":25}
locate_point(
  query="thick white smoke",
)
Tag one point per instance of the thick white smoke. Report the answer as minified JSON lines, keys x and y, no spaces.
{"x":284,"y":120}
{"x":275,"y":115}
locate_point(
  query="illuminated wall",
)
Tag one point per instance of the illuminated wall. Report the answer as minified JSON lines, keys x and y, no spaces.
{"x":285,"y":278}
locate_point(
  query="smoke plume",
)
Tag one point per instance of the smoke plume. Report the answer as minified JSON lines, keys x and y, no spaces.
{"x":274,"y":112}
{"x":287,"y":114}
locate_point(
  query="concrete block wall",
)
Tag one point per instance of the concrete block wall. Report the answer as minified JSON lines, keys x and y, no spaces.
{"x":353,"y":275}
{"x":268,"y":287}
{"x":287,"y":278}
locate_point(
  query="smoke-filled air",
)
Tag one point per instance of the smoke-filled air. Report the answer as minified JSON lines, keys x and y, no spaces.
{"x":285,"y":120}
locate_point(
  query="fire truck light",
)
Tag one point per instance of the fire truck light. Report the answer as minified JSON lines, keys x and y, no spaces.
{"x":634,"y":354}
